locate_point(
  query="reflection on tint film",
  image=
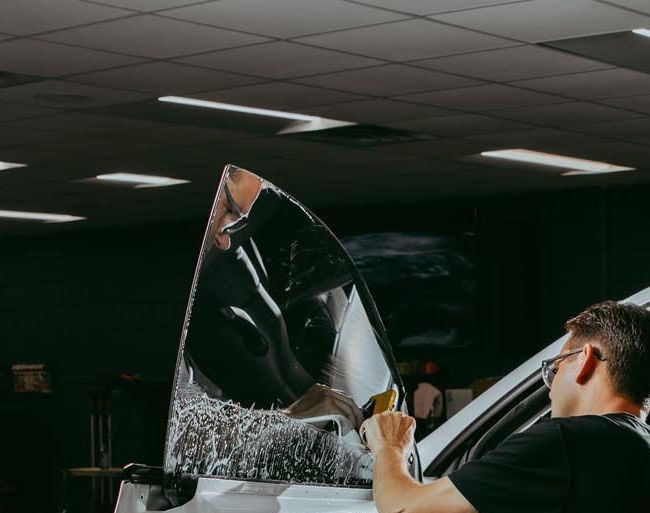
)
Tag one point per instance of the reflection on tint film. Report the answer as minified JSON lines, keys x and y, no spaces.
{"x":282,"y":348}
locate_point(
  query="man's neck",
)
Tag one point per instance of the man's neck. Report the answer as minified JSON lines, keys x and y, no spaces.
{"x":610,"y":404}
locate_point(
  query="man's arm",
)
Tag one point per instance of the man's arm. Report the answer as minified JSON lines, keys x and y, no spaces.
{"x":390,"y":437}
{"x":396,"y":491}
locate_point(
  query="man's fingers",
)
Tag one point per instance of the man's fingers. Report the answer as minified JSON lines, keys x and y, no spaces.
{"x":362,"y":434}
{"x":366,"y":429}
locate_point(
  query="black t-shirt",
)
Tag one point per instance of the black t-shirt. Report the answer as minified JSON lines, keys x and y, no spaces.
{"x":590,"y":464}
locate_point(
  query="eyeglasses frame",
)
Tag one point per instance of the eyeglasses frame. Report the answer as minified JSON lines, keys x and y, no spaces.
{"x":549,"y":365}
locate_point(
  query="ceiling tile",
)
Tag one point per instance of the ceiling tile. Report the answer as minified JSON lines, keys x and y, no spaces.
{"x":187,"y":136}
{"x":12,"y":136}
{"x":542,"y":139}
{"x":632,"y":129}
{"x":645,"y":140}
{"x":164,"y":78}
{"x":407,"y":40}
{"x":279,"y":146}
{"x":50,"y":59}
{"x":279,"y":60}
{"x":14,"y":111}
{"x":442,"y":148}
{"x":460,"y":125}
{"x":546,"y":20}
{"x":212,"y":156}
{"x":70,"y":95}
{"x":172,"y":158}
{"x":84,"y":123}
{"x":145,"y":5}
{"x":622,"y":153}
{"x":421,"y":7}
{"x":30,"y":155}
{"x":376,"y":111}
{"x":637,"y":103}
{"x":93,"y":147}
{"x":351,"y":155}
{"x":566,"y":114}
{"x":390,"y":80}
{"x":278,"y":95}
{"x":593,"y":84}
{"x":35,"y":16}
{"x":283,"y":18}
{"x":481,"y":98}
{"x":152,"y":36}
{"x":8,"y":79}
{"x":514,"y":63}
{"x":637,"y":5}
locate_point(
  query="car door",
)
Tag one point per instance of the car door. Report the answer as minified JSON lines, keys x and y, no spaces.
{"x":280,"y":347}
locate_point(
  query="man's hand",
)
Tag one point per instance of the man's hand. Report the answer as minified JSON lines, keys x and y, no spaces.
{"x":390,"y":437}
{"x":389,"y":430}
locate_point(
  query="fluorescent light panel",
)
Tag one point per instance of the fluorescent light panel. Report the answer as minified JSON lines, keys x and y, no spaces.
{"x":39,"y":216}
{"x":141,"y":181}
{"x":237,"y":108}
{"x":642,"y":32}
{"x":10,"y":165}
{"x":577,"y":166}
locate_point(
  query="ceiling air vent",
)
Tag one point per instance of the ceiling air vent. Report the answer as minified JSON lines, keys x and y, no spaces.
{"x":361,"y":135}
{"x":153,"y":110}
{"x":622,"y":49}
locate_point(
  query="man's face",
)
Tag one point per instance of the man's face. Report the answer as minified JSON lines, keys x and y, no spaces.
{"x":244,"y":188}
{"x":564,"y":389}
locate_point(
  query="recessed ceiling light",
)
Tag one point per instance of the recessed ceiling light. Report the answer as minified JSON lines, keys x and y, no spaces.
{"x":642,"y":32}
{"x":303,"y":122}
{"x":39,"y":216}
{"x":236,"y":108}
{"x":579,"y":173}
{"x":141,"y":181}
{"x":577,"y":166}
{"x":10,"y":165}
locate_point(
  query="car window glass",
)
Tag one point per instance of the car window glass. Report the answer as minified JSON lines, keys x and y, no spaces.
{"x":280,"y":350}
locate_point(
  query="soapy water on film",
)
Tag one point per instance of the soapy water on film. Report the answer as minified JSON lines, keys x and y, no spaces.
{"x":211,"y":437}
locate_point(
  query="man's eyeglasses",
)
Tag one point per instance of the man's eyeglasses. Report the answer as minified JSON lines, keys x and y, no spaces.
{"x":549,"y":366}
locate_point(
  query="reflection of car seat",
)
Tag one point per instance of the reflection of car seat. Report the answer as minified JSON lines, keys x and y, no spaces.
{"x":246,"y":324}
{"x":312,"y":334}
{"x":309,"y":270}
{"x":238,"y":332}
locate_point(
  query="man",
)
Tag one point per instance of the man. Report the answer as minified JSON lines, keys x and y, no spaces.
{"x":591,"y":456}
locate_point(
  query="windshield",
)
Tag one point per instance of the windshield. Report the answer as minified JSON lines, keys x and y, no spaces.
{"x":281,"y":348}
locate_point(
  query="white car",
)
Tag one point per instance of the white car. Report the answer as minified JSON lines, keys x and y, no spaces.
{"x":278,"y":316}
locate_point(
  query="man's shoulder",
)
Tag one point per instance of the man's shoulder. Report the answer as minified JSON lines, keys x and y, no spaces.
{"x":539,"y":440}
{"x":621,"y":425}
{"x":606,"y":421}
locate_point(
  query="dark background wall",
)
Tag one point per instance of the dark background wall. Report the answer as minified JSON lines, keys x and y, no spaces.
{"x":94,"y":305}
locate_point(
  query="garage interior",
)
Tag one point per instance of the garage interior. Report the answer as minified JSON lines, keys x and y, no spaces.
{"x":418,"y":93}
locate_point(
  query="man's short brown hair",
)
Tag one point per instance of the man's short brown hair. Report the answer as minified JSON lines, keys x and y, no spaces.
{"x":622,"y":333}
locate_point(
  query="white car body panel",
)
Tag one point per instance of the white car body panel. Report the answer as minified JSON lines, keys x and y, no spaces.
{"x":231,"y":496}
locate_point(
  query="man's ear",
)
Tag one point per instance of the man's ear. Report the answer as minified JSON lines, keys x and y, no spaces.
{"x":588,"y":366}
